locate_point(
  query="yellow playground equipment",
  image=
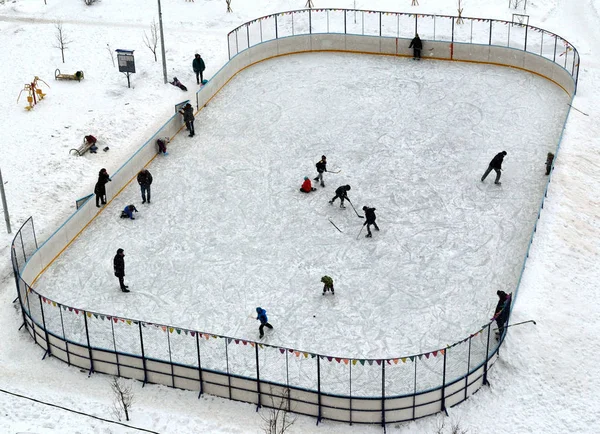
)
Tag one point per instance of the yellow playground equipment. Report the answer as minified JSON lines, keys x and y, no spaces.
{"x":34,"y":92}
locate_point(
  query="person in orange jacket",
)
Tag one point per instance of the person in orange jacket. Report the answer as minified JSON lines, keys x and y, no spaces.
{"x":307,"y":186}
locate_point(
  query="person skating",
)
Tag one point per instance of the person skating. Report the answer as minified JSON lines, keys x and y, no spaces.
{"x":119,"y":267}
{"x":321,"y":167}
{"x":502,"y":312}
{"x":144,"y":179}
{"x":188,"y":118}
{"x":199,"y":67}
{"x":307,"y":186}
{"x":264,"y":321}
{"x":342,"y":193}
{"x":495,"y":164}
{"x":100,"y":188}
{"x":417,"y":45}
{"x":327,"y":285}
{"x":549,"y":160}
{"x":370,"y":216}
{"x":128,"y":212}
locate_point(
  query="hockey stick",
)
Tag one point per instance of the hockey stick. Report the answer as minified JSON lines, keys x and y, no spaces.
{"x":335,"y":226}
{"x":361,"y":216}
{"x":361,"y":228}
{"x":577,"y":109}
{"x":519,"y":323}
{"x":329,"y":171}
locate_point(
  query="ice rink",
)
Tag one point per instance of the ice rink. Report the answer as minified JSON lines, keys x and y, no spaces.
{"x":228,"y":230}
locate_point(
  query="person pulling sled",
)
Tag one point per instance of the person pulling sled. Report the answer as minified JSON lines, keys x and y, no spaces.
{"x":342,"y":193}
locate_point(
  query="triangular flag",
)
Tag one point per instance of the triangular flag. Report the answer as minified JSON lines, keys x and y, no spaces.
{"x":338,"y":359}
{"x":116,"y":320}
{"x":297,"y":353}
{"x":282,"y":350}
{"x":54,"y":303}
{"x":237,"y":341}
{"x":435,"y":354}
{"x":370,"y":362}
{"x":329,"y":358}
{"x":252,"y":344}
{"x":378,"y":362}
{"x":164,"y":329}
{"x":89,"y":314}
{"x":312,"y":356}
{"x":345,"y":361}
{"x":354,"y":362}
{"x":395,"y":361}
{"x":178,"y":331}
{"x":427,"y":355}
{"x":128,"y":322}
{"x":403,"y":359}
{"x":306,"y":355}
{"x":260,"y":345}
{"x":192,"y":333}
{"x":362,"y":362}
{"x":442,"y":351}
{"x":96,"y":315}
{"x":171,"y":329}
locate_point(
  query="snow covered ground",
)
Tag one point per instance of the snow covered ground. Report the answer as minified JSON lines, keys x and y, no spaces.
{"x":535,"y":386}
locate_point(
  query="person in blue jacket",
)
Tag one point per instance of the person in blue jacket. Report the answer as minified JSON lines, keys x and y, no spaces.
{"x":264,"y":321}
{"x":128,"y":212}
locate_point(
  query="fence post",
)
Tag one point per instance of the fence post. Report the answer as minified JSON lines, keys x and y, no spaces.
{"x":444,"y":384}
{"x":555,"y":47}
{"x":380,"y":24}
{"x":227,"y":366}
{"x":383,"y":362}
{"x":417,"y":25}
{"x":491,"y":22}
{"x":309,"y":21}
{"x":199,"y":365}
{"x":229,"y":46}
{"x":276,"y":31}
{"x":415,"y":389}
{"x":45,"y":331}
{"x":62,"y":325}
{"x":87,"y":337}
{"x":170,"y":358}
{"x":346,"y":22}
{"x":248,"y":34}
{"x":487,"y":351}
{"x":468,"y":369}
{"x":350,"y":401}
{"x":143,"y":354}
{"x":452,"y":42}
{"x":257,"y":377}
{"x":319,"y":388}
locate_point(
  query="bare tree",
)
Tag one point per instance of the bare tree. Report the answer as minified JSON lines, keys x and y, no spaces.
{"x":111,"y":53}
{"x":152,"y":41}
{"x":229,"y":6}
{"x":459,"y":20}
{"x":278,"y":419}
{"x":122,"y":399}
{"x":62,"y":41}
{"x":89,"y":2}
{"x":309,"y":4}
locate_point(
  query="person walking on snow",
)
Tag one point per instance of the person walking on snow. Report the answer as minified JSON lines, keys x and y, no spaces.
{"x":307,"y":186}
{"x":342,"y":193}
{"x":495,"y":164}
{"x":128,"y":212}
{"x":264,"y":321}
{"x":502,"y":311}
{"x":188,"y":118}
{"x":119,"y":267}
{"x":321,"y":167}
{"x":370,"y":215}
{"x":199,"y":67}
{"x":417,"y":45}
{"x":144,"y":178}
{"x":100,"y":188}
{"x":327,"y":285}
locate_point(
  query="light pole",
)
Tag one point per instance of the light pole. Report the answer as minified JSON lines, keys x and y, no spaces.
{"x":4,"y":206}
{"x":162,"y":43}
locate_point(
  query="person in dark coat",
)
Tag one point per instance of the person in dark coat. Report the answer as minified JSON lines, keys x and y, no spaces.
{"x":502,"y":312}
{"x":100,"y":188}
{"x":342,"y":193}
{"x":119,"y":267}
{"x":127,"y":213}
{"x":188,"y":117}
{"x":549,"y":160}
{"x":417,"y":45}
{"x":495,"y":164}
{"x":321,"y":167}
{"x":199,"y":67}
{"x":370,"y":215}
{"x":162,"y":145}
{"x":144,"y":178}
{"x":264,"y":321}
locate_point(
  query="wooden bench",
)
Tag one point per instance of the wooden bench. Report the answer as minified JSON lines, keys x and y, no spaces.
{"x":77,"y":76}
{"x":85,"y":146}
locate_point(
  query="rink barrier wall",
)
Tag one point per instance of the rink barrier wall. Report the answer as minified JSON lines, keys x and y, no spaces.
{"x":318,"y":394}
{"x":294,"y":394}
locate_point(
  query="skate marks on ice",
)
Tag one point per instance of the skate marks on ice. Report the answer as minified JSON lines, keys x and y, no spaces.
{"x":228,"y":230}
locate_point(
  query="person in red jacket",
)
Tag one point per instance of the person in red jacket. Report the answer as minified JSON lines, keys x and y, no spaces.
{"x":307,"y":186}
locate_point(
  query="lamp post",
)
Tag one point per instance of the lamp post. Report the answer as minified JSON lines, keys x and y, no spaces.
{"x":4,"y":206}
{"x":162,"y":43}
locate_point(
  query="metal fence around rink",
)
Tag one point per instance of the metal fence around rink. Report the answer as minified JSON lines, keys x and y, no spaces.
{"x":432,"y":28}
{"x":345,"y":389}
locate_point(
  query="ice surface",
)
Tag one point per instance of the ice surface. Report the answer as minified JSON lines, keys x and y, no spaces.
{"x":228,"y":230}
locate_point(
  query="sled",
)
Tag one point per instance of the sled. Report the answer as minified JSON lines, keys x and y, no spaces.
{"x":77,"y":76}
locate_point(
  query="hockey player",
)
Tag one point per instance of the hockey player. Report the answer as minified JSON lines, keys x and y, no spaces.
{"x":307,"y":186}
{"x":342,"y":193}
{"x":321,"y":167}
{"x":327,"y":285}
{"x":495,"y":164}
{"x":119,"y":267}
{"x":264,"y":321}
{"x":128,"y":212}
{"x":370,"y":215}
